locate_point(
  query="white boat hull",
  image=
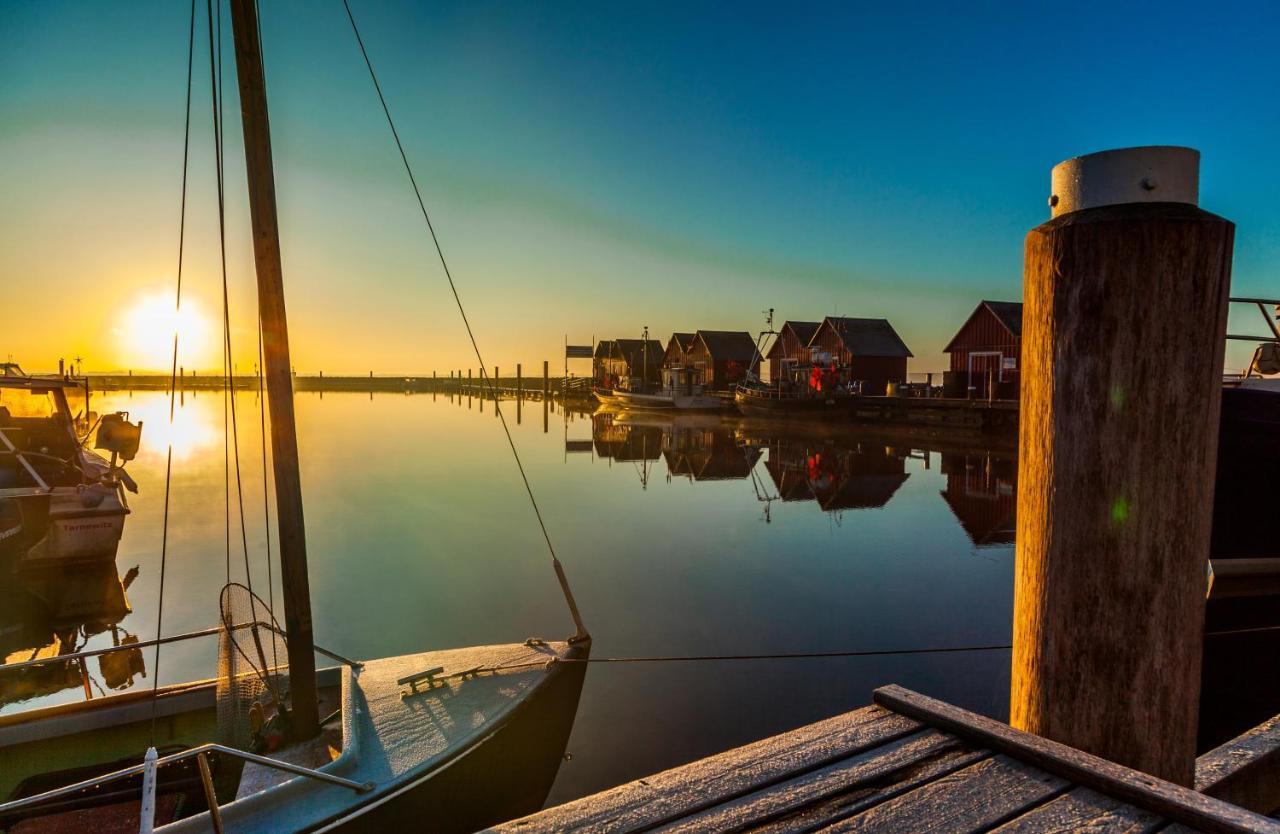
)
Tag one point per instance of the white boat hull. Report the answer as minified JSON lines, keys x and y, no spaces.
{"x":666,"y":401}
{"x":78,"y":533}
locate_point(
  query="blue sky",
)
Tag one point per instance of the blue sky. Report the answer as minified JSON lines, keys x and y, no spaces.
{"x":594,"y":168}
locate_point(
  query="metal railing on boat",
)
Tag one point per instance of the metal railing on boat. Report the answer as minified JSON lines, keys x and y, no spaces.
{"x":160,"y":641}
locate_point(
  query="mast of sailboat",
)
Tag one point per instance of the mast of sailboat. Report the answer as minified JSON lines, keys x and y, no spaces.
{"x":644,"y":351}
{"x":279,"y":383}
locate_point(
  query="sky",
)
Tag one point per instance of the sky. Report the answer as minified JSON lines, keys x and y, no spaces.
{"x":593,"y":169}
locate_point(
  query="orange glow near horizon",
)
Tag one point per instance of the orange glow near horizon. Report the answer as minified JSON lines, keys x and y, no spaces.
{"x":144,"y":339}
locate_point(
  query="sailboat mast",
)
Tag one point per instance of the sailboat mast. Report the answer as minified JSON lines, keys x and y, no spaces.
{"x":278,"y":370}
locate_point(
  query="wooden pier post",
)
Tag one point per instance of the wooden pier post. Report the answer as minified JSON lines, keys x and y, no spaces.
{"x":546,"y":379}
{"x":1123,"y":337}
{"x":519,"y":383}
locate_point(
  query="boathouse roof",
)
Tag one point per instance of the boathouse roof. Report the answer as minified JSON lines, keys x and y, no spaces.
{"x":866,"y":337}
{"x":632,"y":351}
{"x":685,"y":340}
{"x":1008,"y":313}
{"x":731,"y":345}
{"x":802,"y":330}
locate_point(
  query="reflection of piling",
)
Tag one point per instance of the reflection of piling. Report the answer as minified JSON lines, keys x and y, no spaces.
{"x":1123,"y":337}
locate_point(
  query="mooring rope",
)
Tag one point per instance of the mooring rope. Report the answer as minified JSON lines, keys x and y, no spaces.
{"x":173,"y":375}
{"x":484,"y":377}
{"x":716,"y":658}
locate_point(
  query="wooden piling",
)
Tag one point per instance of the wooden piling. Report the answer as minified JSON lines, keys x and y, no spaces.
{"x":1124,"y":324}
{"x":519,"y":383}
{"x":546,"y":379}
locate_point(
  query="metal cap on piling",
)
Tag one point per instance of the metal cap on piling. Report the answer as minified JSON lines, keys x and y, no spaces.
{"x":1151,"y":174}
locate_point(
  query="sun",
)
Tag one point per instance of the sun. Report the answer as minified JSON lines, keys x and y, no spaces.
{"x":145,"y":334}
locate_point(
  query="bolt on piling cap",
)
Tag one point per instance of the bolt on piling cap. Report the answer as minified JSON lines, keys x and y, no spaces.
{"x":1151,"y":174}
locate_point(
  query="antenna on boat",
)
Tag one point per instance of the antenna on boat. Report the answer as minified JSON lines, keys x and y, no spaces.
{"x":275,"y":347}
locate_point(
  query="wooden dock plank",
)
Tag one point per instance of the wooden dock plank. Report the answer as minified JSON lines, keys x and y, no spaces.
{"x":969,"y":800}
{"x":1087,"y":811}
{"x":1175,"y":802}
{"x":866,"y":778}
{"x":841,"y":806}
{"x":686,"y":790}
{"x":1246,"y":770}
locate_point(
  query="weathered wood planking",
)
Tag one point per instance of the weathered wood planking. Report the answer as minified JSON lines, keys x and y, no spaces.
{"x":681,"y":792}
{"x":970,"y":800}
{"x":1086,"y":811}
{"x":858,"y":781}
{"x":1172,"y":801}
{"x":1124,"y":327}
{"x":840,"y":806}
{"x":1246,"y":770}
{"x":910,"y":764}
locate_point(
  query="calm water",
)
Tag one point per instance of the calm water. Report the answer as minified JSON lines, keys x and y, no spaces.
{"x":697,"y":536}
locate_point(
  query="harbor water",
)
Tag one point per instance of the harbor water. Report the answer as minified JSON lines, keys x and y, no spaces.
{"x":684,"y":536}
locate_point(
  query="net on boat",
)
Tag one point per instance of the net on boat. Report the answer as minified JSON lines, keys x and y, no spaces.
{"x":252,"y":672}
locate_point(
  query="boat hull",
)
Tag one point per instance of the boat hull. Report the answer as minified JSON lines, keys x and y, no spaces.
{"x":767,"y":406}
{"x":81,"y":528}
{"x":666,"y":402}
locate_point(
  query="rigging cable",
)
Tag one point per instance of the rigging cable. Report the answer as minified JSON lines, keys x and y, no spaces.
{"x":173,"y":374}
{"x":262,"y":409}
{"x":232,"y":448}
{"x":228,"y":391}
{"x":484,"y":377}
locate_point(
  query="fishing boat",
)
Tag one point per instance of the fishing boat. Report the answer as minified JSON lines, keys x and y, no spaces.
{"x":61,"y":503}
{"x":448,"y":740}
{"x":680,"y":391}
{"x":756,"y":399}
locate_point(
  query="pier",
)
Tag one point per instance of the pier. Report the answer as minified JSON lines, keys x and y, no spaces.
{"x":912,"y":763}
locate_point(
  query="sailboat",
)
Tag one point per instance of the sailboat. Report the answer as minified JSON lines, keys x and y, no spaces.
{"x":447,"y":740}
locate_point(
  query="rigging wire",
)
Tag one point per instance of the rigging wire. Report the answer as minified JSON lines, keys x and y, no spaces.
{"x":173,"y":373}
{"x":231,"y":448}
{"x":475,"y":347}
{"x":228,"y":368}
{"x":262,"y":406}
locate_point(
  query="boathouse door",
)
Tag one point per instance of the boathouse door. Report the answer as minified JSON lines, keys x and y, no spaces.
{"x":981,"y":365}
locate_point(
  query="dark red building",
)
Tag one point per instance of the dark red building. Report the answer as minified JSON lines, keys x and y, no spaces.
{"x":988,"y":345}
{"x":723,"y":357}
{"x":790,"y":350}
{"x":863,"y":350}
{"x":677,"y":355}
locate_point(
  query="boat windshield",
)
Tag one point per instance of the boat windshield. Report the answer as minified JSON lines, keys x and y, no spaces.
{"x":36,"y":420}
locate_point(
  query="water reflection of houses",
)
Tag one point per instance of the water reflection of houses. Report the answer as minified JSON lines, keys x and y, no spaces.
{"x":847,"y":476}
{"x":982,"y":492}
{"x":703,"y":452}
{"x":617,"y":438}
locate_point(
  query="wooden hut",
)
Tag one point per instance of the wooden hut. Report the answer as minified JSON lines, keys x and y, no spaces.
{"x":723,"y":357}
{"x":790,"y":350}
{"x":677,"y":353}
{"x":863,"y":350}
{"x":598,"y":357}
{"x":987,"y":346}
{"x":633,"y":359}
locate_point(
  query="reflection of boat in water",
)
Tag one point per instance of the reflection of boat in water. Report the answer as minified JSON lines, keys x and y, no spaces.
{"x":54,"y":612}
{"x":60,"y":503}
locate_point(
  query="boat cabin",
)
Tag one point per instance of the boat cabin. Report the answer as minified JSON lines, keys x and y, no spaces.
{"x":37,"y":428}
{"x":987,"y":347}
{"x":789,"y":356}
{"x":864,"y":352}
{"x":723,"y":358}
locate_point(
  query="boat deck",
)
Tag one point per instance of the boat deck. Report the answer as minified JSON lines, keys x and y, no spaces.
{"x":908,"y":763}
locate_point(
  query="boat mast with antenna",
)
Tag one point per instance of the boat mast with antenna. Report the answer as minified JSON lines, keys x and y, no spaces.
{"x":275,"y":348}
